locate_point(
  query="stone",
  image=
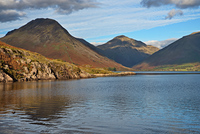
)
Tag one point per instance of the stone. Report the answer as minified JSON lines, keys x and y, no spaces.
{"x":28,"y":61}
{"x":85,"y":75}
{"x":9,"y":51}
{"x":5,"y":77}
{"x":26,"y":70}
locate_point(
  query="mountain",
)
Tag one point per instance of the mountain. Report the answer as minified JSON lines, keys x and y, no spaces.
{"x":49,"y":38}
{"x":126,"y":51}
{"x":183,"y":51}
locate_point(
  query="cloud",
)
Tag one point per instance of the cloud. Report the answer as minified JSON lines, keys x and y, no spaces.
{"x":97,"y":43}
{"x":161,"y":44}
{"x":10,"y":15}
{"x":181,"y":4}
{"x":173,"y":13}
{"x":14,"y":8}
{"x":178,"y":3}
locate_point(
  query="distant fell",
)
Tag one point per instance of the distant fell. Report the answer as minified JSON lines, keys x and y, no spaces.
{"x":49,"y":38}
{"x":183,"y":51}
{"x":126,"y":51}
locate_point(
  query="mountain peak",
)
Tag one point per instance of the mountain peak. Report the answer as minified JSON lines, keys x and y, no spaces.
{"x":41,"y":30}
{"x":124,"y":41}
{"x":126,"y":51}
{"x":43,"y":21}
{"x":49,"y":38}
{"x":36,"y":24}
{"x":123,"y":38}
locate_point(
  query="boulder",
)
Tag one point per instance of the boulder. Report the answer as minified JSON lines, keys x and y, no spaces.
{"x":5,"y":77}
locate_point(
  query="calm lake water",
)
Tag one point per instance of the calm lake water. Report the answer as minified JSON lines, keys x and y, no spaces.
{"x":130,"y":104}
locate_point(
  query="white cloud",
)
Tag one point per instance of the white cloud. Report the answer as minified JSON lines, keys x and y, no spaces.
{"x":109,"y":20}
{"x":97,"y":43}
{"x":161,"y":44}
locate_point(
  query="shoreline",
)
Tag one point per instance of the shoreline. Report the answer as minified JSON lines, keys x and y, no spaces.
{"x":115,"y":74}
{"x":165,"y":73}
{"x":75,"y":78}
{"x":82,"y":76}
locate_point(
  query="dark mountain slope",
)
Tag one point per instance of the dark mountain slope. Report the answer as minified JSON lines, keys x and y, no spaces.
{"x":182,"y":51}
{"x":87,"y":44}
{"x":49,"y":38}
{"x":126,"y":51}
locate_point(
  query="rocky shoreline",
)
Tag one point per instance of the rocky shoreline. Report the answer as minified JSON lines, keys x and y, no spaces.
{"x":6,"y":78}
{"x":44,"y":76}
{"x":21,"y":65}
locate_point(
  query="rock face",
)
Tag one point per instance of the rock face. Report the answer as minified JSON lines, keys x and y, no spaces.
{"x":126,"y":51}
{"x":22,"y":65}
{"x":5,"y":77}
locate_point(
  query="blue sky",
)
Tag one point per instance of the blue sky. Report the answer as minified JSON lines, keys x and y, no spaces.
{"x":155,"y":22}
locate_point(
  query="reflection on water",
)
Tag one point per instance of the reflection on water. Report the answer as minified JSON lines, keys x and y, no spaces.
{"x":132,"y":104}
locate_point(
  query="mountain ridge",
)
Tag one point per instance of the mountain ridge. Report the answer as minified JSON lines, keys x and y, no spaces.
{"x":183,"y":51}
{"x":49,"y":38}
{"x":126,"y":51}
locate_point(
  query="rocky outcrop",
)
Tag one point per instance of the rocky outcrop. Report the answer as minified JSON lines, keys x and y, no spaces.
{"x":22,"y":65}
{"x":4,"y":77}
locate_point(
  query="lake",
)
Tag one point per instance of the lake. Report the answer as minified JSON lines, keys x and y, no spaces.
{"x":130,"y":104}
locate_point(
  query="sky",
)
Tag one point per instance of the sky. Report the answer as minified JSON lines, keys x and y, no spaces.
{"x":155,"y":22}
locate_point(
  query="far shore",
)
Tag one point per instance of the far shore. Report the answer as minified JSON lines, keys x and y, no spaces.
{"x":115,"y":74}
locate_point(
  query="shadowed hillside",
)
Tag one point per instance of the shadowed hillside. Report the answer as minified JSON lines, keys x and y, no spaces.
{"x":183,"y":51}
{"x":126,"y":51}
{"x":49,"y":38}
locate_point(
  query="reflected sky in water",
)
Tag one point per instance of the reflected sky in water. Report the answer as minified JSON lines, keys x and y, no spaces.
{"x":130,"y":104}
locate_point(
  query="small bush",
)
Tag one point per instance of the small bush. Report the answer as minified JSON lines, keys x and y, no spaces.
{"x":112,"y":69}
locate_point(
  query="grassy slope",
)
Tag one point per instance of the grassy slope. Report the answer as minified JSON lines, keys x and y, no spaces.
{"x":182,"y":67}
{"x":174,"y":67}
